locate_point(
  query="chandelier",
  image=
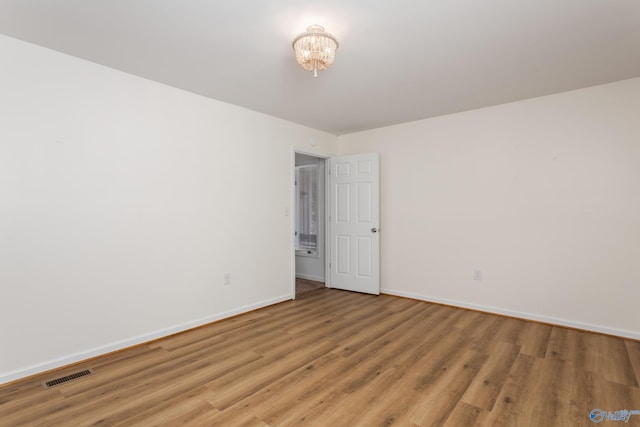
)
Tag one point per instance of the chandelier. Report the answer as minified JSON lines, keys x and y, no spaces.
{"x":315,"y":49}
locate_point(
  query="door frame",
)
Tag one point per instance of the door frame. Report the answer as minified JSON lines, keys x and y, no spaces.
{"x":292,"y":217}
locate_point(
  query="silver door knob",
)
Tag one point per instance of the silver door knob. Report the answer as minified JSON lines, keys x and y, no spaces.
{"x":374,"y":230}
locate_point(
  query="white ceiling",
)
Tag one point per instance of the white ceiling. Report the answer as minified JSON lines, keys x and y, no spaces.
{"x":398,"y":61}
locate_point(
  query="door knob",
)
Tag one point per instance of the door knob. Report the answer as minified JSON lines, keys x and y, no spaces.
{"x":374,"y":230}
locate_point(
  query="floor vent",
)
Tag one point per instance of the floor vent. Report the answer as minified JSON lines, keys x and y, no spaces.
{"x":67,"y":378}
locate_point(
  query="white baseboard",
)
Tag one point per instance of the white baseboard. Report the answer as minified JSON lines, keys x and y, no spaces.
{"x":119,"y":345}
{"x":521,"y":315}
{"x":310,"y":277}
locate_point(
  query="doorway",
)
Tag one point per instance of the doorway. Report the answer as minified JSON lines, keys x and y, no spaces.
{"x":309,"y":217}
{"x":345,"y":245}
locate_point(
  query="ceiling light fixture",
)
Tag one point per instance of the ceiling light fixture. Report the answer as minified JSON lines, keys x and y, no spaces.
{"x":315,"y":49}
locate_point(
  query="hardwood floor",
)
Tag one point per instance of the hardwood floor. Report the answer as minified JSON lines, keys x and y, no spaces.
{"x":304,"y":285}
{"x":334,"y":358}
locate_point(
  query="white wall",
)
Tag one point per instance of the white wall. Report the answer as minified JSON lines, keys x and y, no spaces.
{"x":542,"y":195}
{"x":123,"y":203}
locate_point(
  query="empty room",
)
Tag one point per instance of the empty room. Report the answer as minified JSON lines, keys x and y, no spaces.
{"x":356,"y":213}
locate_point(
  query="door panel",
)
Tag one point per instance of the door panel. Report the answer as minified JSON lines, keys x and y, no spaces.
{"x":364,"y":256}
{"x":353,"y":222}
{"x":343,"y":207}
{"x":363,"y":190}
{"x":343,"y":255}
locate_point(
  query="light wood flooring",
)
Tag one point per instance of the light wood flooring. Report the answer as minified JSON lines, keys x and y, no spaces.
{"x":334,"y":358}
{"x":304,"y":285}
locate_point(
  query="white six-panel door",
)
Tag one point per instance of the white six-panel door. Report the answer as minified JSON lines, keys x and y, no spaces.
{"x":354,"y":223}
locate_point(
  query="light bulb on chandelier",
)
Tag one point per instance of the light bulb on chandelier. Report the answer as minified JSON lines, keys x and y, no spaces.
{"x":315,"y":49}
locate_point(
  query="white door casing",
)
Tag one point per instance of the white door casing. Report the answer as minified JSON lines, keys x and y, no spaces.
{"x":354,"y":223}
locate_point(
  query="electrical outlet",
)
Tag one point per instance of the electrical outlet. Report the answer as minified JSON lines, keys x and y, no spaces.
{"x":227,"y":279}
{"x":477,"y":275}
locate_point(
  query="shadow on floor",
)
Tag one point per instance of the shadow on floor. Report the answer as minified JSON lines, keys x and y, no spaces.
{"x":303,"y":286}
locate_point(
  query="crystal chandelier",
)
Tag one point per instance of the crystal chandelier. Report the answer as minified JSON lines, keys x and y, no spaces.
{"x":315,"y":49}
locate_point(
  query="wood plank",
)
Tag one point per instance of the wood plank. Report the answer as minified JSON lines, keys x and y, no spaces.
{"x":363,"y":369}
{"x":341,"y":358}
{"x":486,"y":386}
{"x":608,"y":357}
{"x":360,"y":369}
{"x":513,"y":406}
{"x":633,"y":352}
{"x":465,"y":415}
